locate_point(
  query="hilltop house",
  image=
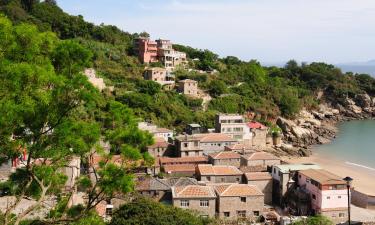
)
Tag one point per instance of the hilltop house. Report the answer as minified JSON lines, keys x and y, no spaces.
{"x":194,"y":197}
{"x":199,"y":144}
{"x":159,"y":148}
{"x":218,"y":174}
{"x":160,"y":76}
{"x":239,"y":201}
{"x":233,"y":125}
{"x":188,"y":87}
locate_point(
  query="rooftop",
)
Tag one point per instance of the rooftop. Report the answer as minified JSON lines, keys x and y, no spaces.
{"x":159,"y":69}
{"x":225,"y":155}
{"x":230,"y":190}
{"x":179,"y":168}
{"x":194,"y":125}
{"x":208,"y":137}
{"x":208,"y":169}
{"x":193,"y":191}
{"x":159,"y":142}
{"x":260,"y":156}
{"x":188,"y":81}
{"x":258,"y":176}
{"x":162,"y":130}
{"x":256,"y":125}
{"x":322,"y":176}
{"x":165,"y":160}
{"x":285,"y":168}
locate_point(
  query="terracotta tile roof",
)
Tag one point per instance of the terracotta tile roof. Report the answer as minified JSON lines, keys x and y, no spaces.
{"x":258,"y":176}
{"x":183,"y":160}
{"x":218,"y":170}
{"x":190,"y":168}
{"x":237,"y":190}
{"x":159,"y":142}
{"x":322,"y":176}
{"x":260,"y":156}
{"x":256,"y":125}
{"x":209,"y":137}
{"x":225,"y":155}
{"x":193,"y":191}
{"x":237,"y":147}
{"x":95,"y":159}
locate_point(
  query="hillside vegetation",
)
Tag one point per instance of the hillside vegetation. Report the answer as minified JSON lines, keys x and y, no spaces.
{"x":237,"y":87}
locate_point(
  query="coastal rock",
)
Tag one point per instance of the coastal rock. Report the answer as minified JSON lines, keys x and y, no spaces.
{"x":304,"y":152}
{"x":363,"y":100}
{"x":285,"y":124}
{"x":314,"y":122}
{"x":300,"y":132}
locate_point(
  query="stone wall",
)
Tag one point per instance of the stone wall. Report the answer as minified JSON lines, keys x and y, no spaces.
{"x":266,"y":187}
{"x":221,"y":179}
{"x":234,"y":204}
{"x":194,"y":204}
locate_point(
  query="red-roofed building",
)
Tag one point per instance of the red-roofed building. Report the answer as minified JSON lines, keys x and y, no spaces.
{"x":263,"y":159}
{"x":258,"y":134}
{"x":159,"y":148}
{"x":263,"y":181}
{"x":194,"y":197}
{"x":225,"y":158}
{"x":218,"y":174}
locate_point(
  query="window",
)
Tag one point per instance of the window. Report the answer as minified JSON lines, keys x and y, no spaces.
{"x":243,"y":199}
{"x":328,"y":197}
{"x":204,"y":203}
{"x":222,"y":179}
{"x":208,"y":178}
{"x":256,"y":213}
{"x":108,"y":211}
{"x":238,"y":179}
{"x":186,"y":145}
{"x":341,"y":215}
{"x":339,"y":196}
{"x":241,"y":214}
{"x":184,"y":203}
{"x":313,"y":196}
{"x":226,"y":214}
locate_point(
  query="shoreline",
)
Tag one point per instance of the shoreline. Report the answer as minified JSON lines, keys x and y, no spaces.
{"x":364,"y":177}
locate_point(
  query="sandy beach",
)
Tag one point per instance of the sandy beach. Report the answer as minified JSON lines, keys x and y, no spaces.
{"x":364,"y":178}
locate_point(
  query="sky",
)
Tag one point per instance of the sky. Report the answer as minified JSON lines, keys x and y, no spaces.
{"x":271,"y":31}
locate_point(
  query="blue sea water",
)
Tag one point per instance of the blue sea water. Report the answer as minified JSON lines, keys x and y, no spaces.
{"x":355,"y":144}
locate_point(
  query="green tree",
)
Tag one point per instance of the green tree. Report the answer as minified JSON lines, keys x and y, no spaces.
{"x":314,"y":220}
{"x":143,"y":211}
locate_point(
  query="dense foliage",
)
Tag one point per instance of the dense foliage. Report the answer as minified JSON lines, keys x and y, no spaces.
{"x":314,"y":220}
{"x":143,"y":211}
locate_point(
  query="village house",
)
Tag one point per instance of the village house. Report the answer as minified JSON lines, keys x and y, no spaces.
{"x":218,"y":174}
{"x":182,"y":165}
{"x":240,"y":148}
{"x":233,"y":125}
{"x":258,"y":134}
{"x":155,"y":130}
{"x":193,"y":129}
{"x":284,"y":176}
{"x":260,"y":159}
{"x":225,"y":158}
{"x":194,"y":197}
{"x":161,"y":76}
{"x":328,"y":193}
{"x":159,"y":148}
{"x":188,"y":87}
{"x":202,"y":144}
{"x":239,"y":201}
{"x":263,"y":181}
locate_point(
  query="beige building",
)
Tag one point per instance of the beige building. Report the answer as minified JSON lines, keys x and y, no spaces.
{"x":239,"y":201}
{"x":188,"y":87}
{"x":161,"y":76}
{"x":260,"y":159}
{"x":168,"y":56}
{"x":194,"y":197}
{"x":263,"y":181}
{"x":233,"y":125}
{"x":225,"y":158}
{"x":202,"y":144}
{"x":218,"y":174}
{"x":159,"y":148}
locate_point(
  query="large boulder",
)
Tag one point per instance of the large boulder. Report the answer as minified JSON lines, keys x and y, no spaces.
{"x":285,"y":124}
{"x":300,"y":132}
{"x":363,"y":100}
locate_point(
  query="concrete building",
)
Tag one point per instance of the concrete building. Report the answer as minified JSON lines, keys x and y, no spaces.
{"x":161,"y":76}
{"x":194,"y":197}
{"x":188,"y":87}
{"x":146,"y":50}
{"x":225,"y":158}
{"x":240,"y":148}
{"x":218,"y":174}
{"x":155,"y":130}
{"x":262,"y":159}
{"x":193,"y":129}
{"x":328,"y":193}
{"x":284,"y":176}
{"x":233,"y":125}
{"x":202,"y":144}
{"x":263,"y":181}
{"x":239,"y":201}
{"x":159,"y":148}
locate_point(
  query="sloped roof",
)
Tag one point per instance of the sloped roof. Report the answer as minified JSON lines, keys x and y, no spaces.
{"x":218,"y":170}
{"x":179,"y":168}
{"x":159,"y":142}
{"x":225,"y":155}
{"x":181,"y":181}
{"x":323,"y":176}
{"x":207,"y":137}
{"x":151,"y":184}
{"x":256,"y":125}
{"x":193,"y":191}
{"x":258,"y":176}
{"x":260,"y":156}
{"x":230,"y":190}
{"x":185,"y":160}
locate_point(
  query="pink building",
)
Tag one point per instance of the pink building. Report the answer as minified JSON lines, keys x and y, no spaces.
{"x":328,"y":193}
{"x":146,"y":50}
